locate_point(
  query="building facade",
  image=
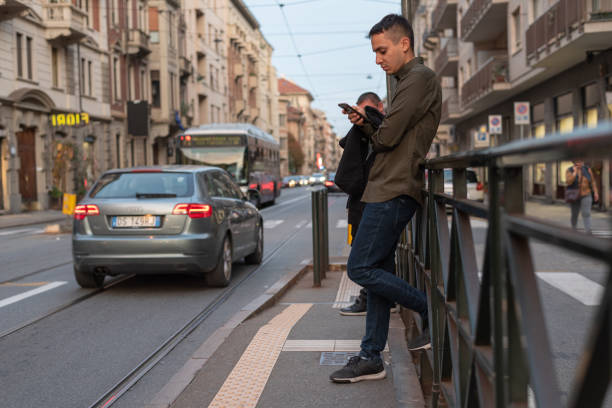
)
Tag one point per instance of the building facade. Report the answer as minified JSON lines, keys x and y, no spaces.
{"x":553,"y":54}
{"x":89,"y":85}
{"x":54,"y":105}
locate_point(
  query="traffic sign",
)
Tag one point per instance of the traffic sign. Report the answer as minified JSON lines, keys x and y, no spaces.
{"x":521,"y":113}
{"x":495,"y":124}
{"x":481,"y":137}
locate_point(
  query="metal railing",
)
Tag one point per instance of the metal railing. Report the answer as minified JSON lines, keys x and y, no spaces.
{"x":489,"y":334}
{"x":450,"y":50}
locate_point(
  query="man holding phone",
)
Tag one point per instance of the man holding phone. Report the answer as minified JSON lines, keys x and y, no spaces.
{"x":393,"y":192}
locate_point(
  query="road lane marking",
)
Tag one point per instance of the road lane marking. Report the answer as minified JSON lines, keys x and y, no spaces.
{"x":346,"y":290}
{"x":19,"y":231}
{"x":301,"y":224}
{"x":246,"y":382}
{"x":280,"y":204}
{"x":26,"y":284}
{"x":305,"y":262}
{"x":342,"y":224}
{"x":309,"y":225}
{"x":30,"y":293}
{"x":269,"y":224}
{"x":573,"y":284}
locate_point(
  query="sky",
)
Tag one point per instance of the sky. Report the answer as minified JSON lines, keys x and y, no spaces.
{"x":337,"y":63}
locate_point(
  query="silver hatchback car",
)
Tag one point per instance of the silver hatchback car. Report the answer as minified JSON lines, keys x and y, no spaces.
{"x":165,"y":219}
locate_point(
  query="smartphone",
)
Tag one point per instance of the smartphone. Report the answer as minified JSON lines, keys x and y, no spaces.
{"x":348,"y":108}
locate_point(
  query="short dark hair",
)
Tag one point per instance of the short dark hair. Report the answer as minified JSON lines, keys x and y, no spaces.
{"x":396,"y":23}
{"x":368,"y":96}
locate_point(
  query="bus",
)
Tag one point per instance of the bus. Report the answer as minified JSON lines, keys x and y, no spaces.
{"x":250,"y":155}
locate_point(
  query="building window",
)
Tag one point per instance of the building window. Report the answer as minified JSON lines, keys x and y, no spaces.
{"x":89,"y":79}
{"x":155,"y":90}
{"x":55,"y":67}
{"x":172,"y":103}
{"x":82,"y":77}
{"x":143,"y":84}
{"x":129,"y":83}
{"x":114,"y":13}
{"x":171,"y":30}
{"x":516,"y":30}
{"x":19,"y":49}
{"x":116,"y":79}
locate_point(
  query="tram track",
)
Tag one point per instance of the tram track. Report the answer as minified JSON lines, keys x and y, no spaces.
{"x":112,"y":395}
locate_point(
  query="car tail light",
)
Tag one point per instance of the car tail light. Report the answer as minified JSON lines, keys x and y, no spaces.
{"x":329,"y":183}
{"x":193,"y":210}
{"x":253,"y":186}
{"x":479,"y":186}
{"x":83,"y":210}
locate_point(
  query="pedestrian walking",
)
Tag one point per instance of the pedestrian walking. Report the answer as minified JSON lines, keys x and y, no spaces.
{"x":352,"y":175}
{"x":393,"y":192}
{"x":581,"y":192}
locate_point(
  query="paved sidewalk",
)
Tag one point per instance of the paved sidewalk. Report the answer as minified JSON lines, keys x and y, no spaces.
{"x":275,"y":358}
{"x":31,"y":218}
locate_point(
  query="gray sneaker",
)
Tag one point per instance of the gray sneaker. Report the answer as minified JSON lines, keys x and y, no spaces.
{"x":358,"y":369}
{"x":422,"y":342}
{"x":359,"y":308}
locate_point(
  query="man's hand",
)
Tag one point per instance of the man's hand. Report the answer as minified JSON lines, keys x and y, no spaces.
{"x":596,"y":196}
{"x":355,"y":118}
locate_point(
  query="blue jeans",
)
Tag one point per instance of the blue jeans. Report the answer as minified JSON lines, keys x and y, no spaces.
{"x":371,"y":264}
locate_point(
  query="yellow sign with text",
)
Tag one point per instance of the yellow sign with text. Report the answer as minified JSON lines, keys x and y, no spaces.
{"x":69,"y":203}
{"x":70,"y":119}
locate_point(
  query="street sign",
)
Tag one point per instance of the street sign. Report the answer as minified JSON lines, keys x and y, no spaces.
{"x":521,"y":113}
{"x":481,"y":137}
{"x":495,"y":124}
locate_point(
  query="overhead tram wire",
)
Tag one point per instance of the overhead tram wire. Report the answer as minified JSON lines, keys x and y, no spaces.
{"x":295,"y":47}
{"x":307,"y":54}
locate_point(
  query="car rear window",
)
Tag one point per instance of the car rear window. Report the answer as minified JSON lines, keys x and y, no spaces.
{"x":470,"y":176}
{"x":143,"y":185}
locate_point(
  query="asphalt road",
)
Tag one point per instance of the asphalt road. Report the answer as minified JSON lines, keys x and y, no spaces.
{"x":71,"y":358}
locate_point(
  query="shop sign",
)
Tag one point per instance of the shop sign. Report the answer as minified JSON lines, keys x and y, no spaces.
{"x":70,"y":119}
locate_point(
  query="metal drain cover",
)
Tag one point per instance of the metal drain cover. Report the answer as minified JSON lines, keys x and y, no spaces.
{"x":336,"y":358}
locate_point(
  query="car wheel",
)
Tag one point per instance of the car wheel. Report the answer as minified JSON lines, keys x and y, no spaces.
{"x":87,"y":279}
{"x":222,"y":274}
{"x":256,"y":257}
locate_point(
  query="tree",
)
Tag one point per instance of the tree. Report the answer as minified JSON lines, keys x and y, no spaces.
{"x":296,"y":156}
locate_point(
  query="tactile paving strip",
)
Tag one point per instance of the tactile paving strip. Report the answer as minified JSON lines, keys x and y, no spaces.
{"x":346,"y":290}
{"x":246,"y":382}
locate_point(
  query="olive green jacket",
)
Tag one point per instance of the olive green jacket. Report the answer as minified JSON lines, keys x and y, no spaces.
{"x":403,"y":139}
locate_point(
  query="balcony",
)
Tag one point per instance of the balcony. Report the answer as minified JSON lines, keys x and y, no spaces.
{"x":12,"y":8}
{"x":559,"y":38}
{"x":451,"y":112}
{"x":444,"y":15}
{"x":138,"y":43}
{"x":484,"y":20}
{"x":487,"y":86}
{"x":448,"y":59}
{"x":64,"y":22}
{"x":185,"y":66}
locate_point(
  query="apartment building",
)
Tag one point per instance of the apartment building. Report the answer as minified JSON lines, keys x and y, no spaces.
{"x":251,"y":77}
{"x":309,"y":127}
{"x":207,"y":93}
{"x":554,"y":54}
{"x":54,"y":111}
{"x":127,"y":82}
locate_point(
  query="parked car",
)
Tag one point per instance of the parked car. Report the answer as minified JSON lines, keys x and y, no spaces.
{"x":164,"y":219}
{"x":330,"y":184}
{"x":317,"y":178}
{"x":475,"y":190}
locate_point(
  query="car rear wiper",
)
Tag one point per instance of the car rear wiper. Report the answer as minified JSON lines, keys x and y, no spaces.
{"x":155,"y":195}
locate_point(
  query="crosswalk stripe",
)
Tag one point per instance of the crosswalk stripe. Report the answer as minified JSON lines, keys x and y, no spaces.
{"x":269,"y":224}
{"x":20,"y":231}
{"x":342,"y":224}
{"x":30,"y":293}
{"x":573,"y":284}
{"x":301,"y":224}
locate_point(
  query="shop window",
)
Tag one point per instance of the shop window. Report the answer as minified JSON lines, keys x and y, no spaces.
{"x":564,"y":125}
{"x":539,"y":171}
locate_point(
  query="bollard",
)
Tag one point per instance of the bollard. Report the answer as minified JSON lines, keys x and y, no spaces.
{"x":320,"y":251}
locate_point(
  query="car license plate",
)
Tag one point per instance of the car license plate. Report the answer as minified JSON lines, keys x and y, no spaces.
{"x":141,"y":221}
